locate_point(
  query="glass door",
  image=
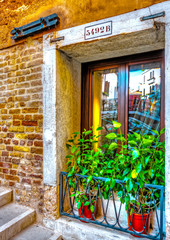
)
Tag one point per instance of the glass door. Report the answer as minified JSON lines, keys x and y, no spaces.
{"x":129,"y":90}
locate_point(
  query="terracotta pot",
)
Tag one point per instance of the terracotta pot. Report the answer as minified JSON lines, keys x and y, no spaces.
{"x":137,"y":223}
{"x":87,"y":212}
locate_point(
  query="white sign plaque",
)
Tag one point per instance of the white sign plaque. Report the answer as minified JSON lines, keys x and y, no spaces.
{"x":98,"y":30}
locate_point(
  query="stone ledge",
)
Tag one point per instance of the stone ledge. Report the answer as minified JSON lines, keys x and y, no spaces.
{"x":72,"y":229}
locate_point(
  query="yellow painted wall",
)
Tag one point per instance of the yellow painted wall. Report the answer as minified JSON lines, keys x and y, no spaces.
{"x":15,"y":13}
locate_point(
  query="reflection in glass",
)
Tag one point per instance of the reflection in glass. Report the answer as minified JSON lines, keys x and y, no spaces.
{"x":105,"y":99}
{"x":144,"y":98}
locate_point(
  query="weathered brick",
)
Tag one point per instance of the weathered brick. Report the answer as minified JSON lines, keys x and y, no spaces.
{"x":21,"y":91}
{"x":35,"y":104}
{"x":36,"y":69}
{"x":21,"y":149}
{"x":29,"y":123}
{"x":15,"y":160}
{"x":5,"y":153}
{"x":10,"y":105}
{"x":4,"y":129}
{"x":16,"y":129}
{"x":7,"y":141}
{"x":29,"y":129}
{"x":37,"y":182}
{"x":36,"y":83}
{"x":5,"y":165}
{"x":9,"y":148}
{"x":13,"y":172}
{"x":35,"y":90}
{"x":2,"y":105}
{"x":22,"y":85}
{"x":22,"y":98}
{"x":17,"y":154}
{"x":14,"y":111}
{"x":37,"y":150}
{"x":22,"y":104}
{"x":29,"y":156}
{"x":16,"y":123}
{"x":2,"y":147}
{"x":33,"y":76}
{"x":4,"y":111}
{"x":18,"y":117}
{"x":29,"y":143}
{"x":10,"y":135}
{"x":36,"y":176}
{"x":15,"y":142}
{"x":29,"y":110}
{"x":26,"y":180}
{"x":21,"y":136}
{"x":35,"y":63}
{"x":38,"y":143}
{"x":34,"y":136}
{"x":11,"y":184}
{"x":22,"y":142}
{"x":6,"y":117}
{"x":22,"y":174}
{"x":28,"y":117}
{"x":5,"y":170}
{"x":11,"y":177}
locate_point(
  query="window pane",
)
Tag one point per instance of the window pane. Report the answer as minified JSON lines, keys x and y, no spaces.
{"x":144,"y":98}
{"x":105,"y":99}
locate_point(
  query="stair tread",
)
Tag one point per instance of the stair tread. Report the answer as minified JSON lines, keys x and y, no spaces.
{"x":4,"y":190}
{"x":11,"y":211}
{"x":34,"y":232}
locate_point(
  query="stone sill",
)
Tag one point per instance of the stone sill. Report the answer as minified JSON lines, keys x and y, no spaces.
{"x":73,"y":229}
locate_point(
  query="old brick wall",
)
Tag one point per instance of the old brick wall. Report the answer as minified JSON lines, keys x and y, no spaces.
{"x":21,"y":119}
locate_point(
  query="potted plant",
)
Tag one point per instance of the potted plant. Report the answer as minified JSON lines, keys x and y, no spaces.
{"x":84,"y":159}
{"x":141,"y":160}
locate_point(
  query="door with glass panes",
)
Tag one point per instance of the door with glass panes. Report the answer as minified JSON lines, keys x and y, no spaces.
{"x":129,"y":90}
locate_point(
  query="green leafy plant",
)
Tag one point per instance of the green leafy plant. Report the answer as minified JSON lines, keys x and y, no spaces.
{"x":140,"y":160}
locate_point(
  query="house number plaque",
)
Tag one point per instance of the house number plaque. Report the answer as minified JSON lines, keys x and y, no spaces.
{"x":98,"y":30}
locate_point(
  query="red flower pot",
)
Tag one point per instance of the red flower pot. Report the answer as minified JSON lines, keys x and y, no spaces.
{"x":87,"y":212}
{"x":137,"y":223}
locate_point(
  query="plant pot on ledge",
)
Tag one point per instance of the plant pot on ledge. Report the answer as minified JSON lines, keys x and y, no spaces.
{"x":139,"y":224}
{"x":87,"y":211}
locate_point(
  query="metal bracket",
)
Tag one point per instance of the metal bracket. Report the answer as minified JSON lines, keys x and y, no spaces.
{"x":161,"y":14}
{"x":34,"y":27}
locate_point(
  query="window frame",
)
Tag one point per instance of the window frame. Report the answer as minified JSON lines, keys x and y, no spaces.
{"x":123,"y":64}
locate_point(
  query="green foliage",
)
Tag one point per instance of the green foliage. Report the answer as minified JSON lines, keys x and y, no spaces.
{"x":137,"y":160}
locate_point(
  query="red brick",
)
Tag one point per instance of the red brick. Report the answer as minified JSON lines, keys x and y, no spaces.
{"x":38,"y":143}
{"x":15,"y":142}
{"x":22,"y":174}
{"x":37,"y":182}
{"x":36,"y":176}
{"x":5,"y":165}
{"x":7,"y":141}
{"x":37,"y":150}
{"x":13,"y":172}
{"x":4,"y":153}
{"x":4,"y":129}
{"x":16,"y":160}
{"x":5,"y":170}
{"x":10,"y":135}
{"x":29,"y":156}
{"x":29,"y":123}
{"x":16,"y":123}
{"x":9,"y":148}
{"x":29,"y":110}
{"x":11,"y":177}
{"x":38,"y":157}
{"x":29,"y":143}
{"x":26,"y":180}
{"x":1,"y":141}
{"x":22,"y":142}
{"x":28,"y":117}
{"x":2,"y":105}
{"x":34,"y":136}
{"x":11,"y":184}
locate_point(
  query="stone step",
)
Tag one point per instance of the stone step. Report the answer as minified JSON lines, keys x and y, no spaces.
{"x":37,"y":232}
{"x":5,"y":196}
{"x":13,"y":219}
